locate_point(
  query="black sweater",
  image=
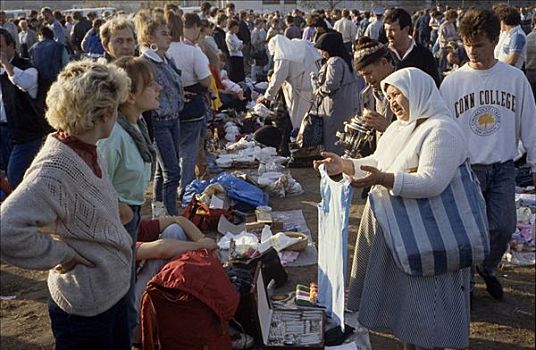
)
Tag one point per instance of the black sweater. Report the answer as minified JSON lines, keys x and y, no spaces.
{"x":24,"y":119}
{"x":420,"y":57}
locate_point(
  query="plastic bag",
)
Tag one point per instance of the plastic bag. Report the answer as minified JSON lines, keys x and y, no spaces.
{"x":241,"y":190}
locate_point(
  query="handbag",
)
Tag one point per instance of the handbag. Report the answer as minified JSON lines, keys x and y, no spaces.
{"x":313,"y":128}
{"x":436,"y":235}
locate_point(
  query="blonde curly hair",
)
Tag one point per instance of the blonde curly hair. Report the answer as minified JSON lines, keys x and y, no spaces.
{"x":82,"y":93}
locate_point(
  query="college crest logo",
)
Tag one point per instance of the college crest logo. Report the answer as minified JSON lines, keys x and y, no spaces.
{"x":485,"y":121}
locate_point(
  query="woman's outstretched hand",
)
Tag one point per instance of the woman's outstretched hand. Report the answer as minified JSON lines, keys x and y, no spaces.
{"x":332,"y":161}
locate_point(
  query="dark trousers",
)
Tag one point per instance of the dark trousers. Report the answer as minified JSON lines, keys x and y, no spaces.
{"x":236,"y":73}
{"x":106,"y":331}
{"x":132,"y":229}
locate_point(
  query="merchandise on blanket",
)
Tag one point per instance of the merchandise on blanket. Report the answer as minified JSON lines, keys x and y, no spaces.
{"x":237,"y":189}
{"x":225,"y":226}
{"x":190,"y":293}
{"x":207,"y":218}
{"x":283,"y":240}
{"x":246,"y":154}
{"x":279,"y":185}
{"x":263,"y":213}
{"x":520,"y":242}
{"x":231,"y":131}
{"x":306,"y":295}
{"x":519,"y":258}
{"x":261,"y":86}
{"x":286,"y":328}
{"x":242,"y":245}
{"x":257,"y":227}
{"x":241,"y":144}
{"x":241,"y":190}
{"x":215,"y":197}
{"x":261,"y":110}
{"x":274,"y":165}
{"x":527,"y":199}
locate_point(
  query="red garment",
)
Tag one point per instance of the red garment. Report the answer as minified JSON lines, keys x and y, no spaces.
{"x":86,"y":151}
{"x":190,"y":293}
{"x":148,"y":230}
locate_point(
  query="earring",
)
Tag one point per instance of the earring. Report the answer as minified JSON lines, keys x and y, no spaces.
{"x":154,"y":47}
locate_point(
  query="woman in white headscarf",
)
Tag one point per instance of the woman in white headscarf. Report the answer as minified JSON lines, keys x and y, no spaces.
{"x":294,"y":60}
{"x":417,"y":157}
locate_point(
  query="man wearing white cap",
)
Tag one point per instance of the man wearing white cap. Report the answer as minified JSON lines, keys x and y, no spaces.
{"x":374,"y":28}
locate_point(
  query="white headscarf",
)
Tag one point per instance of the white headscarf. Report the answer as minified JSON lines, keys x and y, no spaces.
{"x":295,"y":50}
{"x":424,"y":98}
{"x":425,"y":101}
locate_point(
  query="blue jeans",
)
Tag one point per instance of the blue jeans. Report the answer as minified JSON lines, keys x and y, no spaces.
{"x":189,"y":142}
{"x":105,"y":331}
{"x":168,"y":172}
{"x":132,"y":229}
{"x":497,"y":182}
{"x":17,"y":157}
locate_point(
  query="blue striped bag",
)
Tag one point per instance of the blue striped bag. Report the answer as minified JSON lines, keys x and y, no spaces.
{"x":432,"y":236}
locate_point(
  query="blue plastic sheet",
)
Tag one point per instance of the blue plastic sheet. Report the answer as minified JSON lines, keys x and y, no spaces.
{"x":237,"y":189}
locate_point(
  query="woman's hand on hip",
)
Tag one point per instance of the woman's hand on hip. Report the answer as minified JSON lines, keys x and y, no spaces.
{"x":71,"y":264}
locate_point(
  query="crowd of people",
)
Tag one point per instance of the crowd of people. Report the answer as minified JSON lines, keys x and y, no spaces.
{"x":94,"y":108}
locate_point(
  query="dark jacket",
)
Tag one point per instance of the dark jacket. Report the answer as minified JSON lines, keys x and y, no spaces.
{"x":47,"y":57}
{"x":420,"y":57}
{"x":219,"y":38}
{"x":79,"y":31}
{"x":243,"y":33}
{"x":24,"y":119}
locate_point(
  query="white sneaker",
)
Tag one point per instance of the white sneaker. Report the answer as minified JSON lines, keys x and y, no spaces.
{"x":158,"y":210}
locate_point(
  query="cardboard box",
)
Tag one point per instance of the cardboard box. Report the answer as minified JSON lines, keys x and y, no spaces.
{"x":286,"y":329}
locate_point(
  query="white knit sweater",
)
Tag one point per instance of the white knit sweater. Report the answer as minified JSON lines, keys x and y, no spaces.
{"x":425,"y":163}
{"x":59,"y":208}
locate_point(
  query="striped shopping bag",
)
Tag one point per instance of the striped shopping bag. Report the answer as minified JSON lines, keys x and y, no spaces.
{"x":432,"y":236}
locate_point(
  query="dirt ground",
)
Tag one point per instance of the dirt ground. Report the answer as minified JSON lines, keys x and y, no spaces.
{"x":508,"y":325}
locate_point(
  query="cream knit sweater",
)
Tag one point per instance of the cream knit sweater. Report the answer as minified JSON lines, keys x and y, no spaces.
{"x":59,"y":208}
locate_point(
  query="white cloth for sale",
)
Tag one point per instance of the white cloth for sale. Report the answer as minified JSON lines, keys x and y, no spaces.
{"x":243,"y":239}
{"x":333,"y":216}
{"x":279,"y":184}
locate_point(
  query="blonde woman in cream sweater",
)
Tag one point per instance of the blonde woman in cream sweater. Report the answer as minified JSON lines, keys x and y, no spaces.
{"x":64,"y":216}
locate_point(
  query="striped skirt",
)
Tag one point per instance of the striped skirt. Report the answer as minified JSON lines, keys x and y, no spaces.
{"x":425,"y":311}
